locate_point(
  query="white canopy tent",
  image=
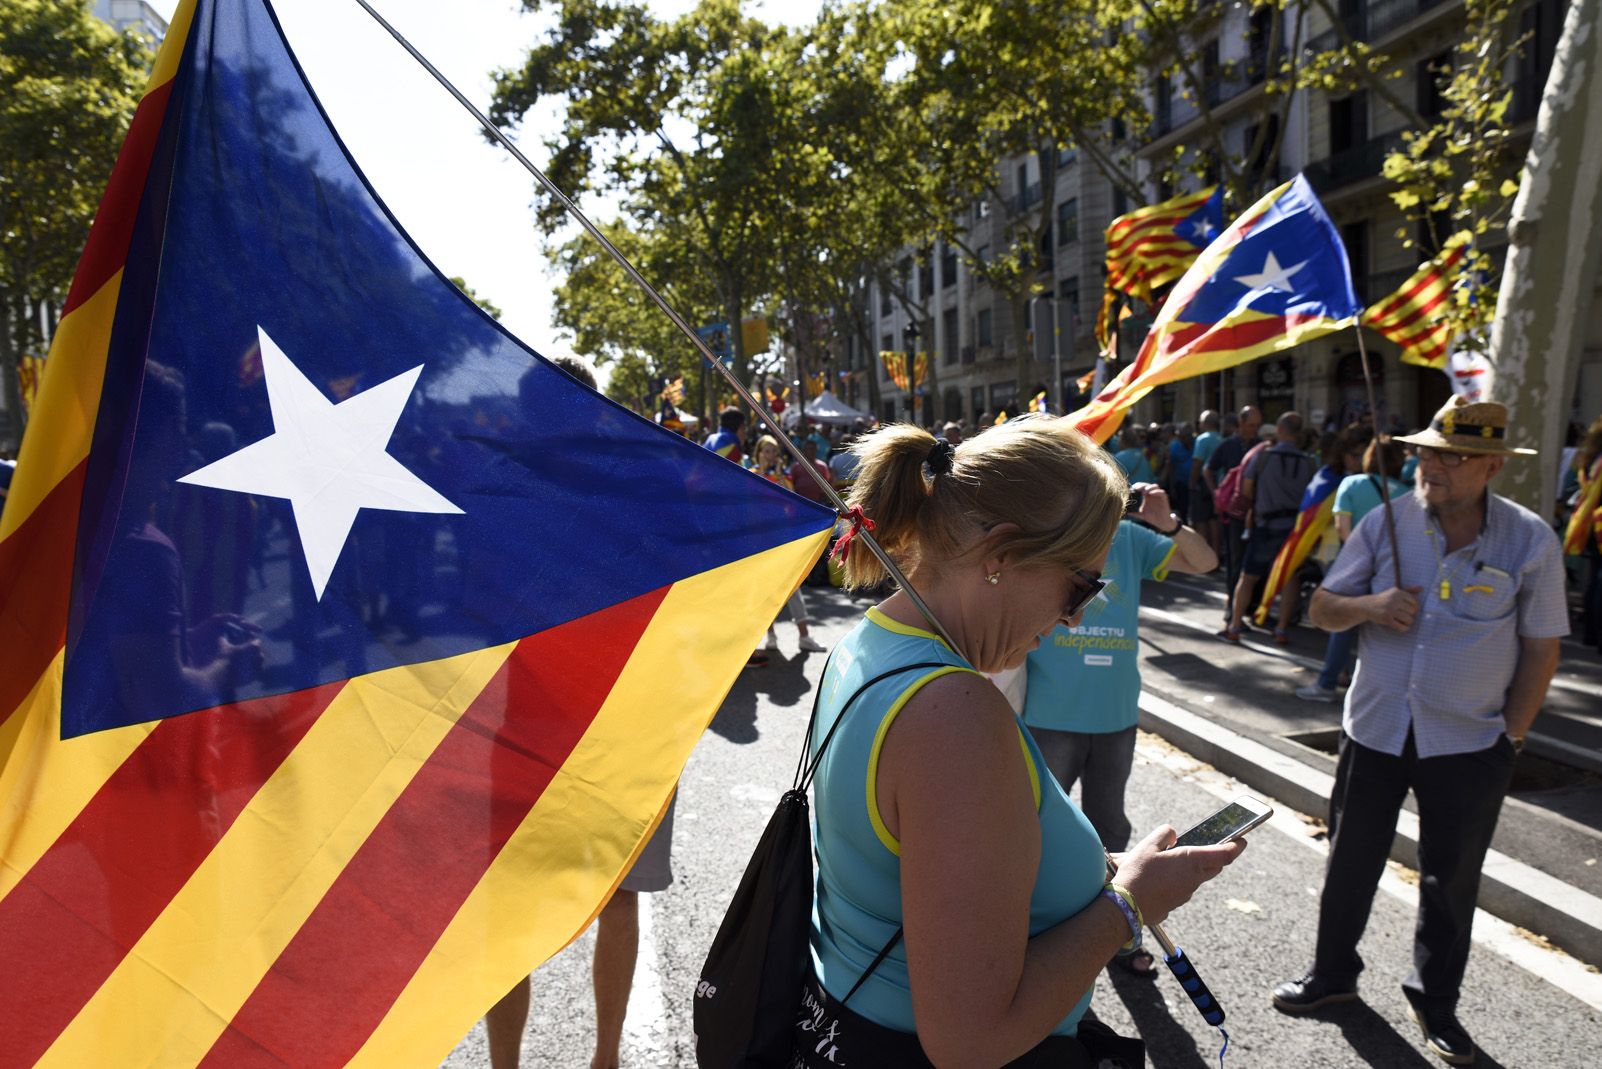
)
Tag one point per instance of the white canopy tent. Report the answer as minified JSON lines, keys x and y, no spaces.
{"x":827,"y":408}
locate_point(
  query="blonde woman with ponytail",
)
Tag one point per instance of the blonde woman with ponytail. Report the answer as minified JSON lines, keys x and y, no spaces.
{"x":964,"y":906}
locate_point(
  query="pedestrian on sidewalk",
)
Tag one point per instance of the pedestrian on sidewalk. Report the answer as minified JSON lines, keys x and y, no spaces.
{"x":1083,"y":689}
{"x":768,"y":461}
{"x":964,"y":881}
{"x":1131,"y":457}
{"x":1455,"y":656}
{"x":1357,"y":496}
{"x":1203,"y":516}
{"x":1226,"y":458}
{"x":1181,"y":455}
{"x":1274,"y":481}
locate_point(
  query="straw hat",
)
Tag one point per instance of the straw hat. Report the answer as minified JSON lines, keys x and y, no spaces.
{"x":1463,"y":427}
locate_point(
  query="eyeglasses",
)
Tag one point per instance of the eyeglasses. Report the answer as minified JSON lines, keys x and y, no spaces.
{"x":1442,"y":457}
{"x":1090,"y":587}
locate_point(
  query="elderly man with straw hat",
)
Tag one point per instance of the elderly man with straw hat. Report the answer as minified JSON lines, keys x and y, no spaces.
{"x":1459,"y":597}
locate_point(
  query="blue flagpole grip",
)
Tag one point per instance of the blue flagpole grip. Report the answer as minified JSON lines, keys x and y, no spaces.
{"x":1185,"y":973}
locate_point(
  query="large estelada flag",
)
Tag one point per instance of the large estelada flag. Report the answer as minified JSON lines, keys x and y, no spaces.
{"x":1278,"y":276}
{"x":1151,"y":247}
{"x":1412,"y":316}
{"x":348,"y":649}
{"x":1312,"y":520}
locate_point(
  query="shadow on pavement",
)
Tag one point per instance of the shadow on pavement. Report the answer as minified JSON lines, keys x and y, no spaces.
{"x":1168,"y":1043}
{"x":1376,"y":1042}
{"x":784,"y":683}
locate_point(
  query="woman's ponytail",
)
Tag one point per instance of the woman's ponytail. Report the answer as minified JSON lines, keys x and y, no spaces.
{"x":891,"y":490}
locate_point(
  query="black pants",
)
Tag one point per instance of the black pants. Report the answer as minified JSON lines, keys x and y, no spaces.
{"x":1459,"y":798}
{"x":1234,"y":554}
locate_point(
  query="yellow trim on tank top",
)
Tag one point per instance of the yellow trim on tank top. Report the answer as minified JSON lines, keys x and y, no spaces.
{"x":891,"y":843}
{"x":878,"y":617}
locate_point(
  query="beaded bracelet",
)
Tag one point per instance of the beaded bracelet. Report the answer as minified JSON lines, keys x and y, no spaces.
{"x":1126,"y":904}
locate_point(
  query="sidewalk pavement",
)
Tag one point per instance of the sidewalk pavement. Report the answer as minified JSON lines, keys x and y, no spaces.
{"x":1235,"y":708}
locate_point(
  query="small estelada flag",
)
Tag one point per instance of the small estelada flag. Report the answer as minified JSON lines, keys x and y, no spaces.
{"x":1412,"y":316}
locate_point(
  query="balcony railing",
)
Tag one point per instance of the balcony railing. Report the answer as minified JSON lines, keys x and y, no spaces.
{"x":1376,"y":20}
{"x":1030,"y":197}
{"x":1354,"y":164}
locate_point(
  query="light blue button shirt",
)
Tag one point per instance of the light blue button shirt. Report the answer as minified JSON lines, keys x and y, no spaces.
{"x":1447,"y":676}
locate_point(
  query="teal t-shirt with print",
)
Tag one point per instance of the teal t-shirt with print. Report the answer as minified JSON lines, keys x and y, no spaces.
{"x":1088,"y":678}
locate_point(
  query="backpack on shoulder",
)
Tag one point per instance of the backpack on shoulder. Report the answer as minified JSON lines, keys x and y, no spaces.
{"x":749,"y":996}
{"x":1228,"y":499}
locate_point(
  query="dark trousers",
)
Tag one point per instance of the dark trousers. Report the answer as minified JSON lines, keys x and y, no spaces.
{"x":1234,"y":554}
{"x":1101,"y":764}
{"x":1459,"y":798}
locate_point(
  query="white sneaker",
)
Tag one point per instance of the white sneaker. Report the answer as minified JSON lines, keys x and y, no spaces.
{"x":1315,"y":693}
{"x":811,"y":645}
{"x":772,"y":644}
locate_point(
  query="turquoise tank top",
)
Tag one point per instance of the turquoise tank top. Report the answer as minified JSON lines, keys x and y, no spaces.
{"x":857,"y":907}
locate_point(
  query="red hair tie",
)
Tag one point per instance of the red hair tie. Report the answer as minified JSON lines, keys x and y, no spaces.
{"x":859,"y":523}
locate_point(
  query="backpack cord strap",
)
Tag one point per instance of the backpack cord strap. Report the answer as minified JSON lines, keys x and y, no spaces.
{"x":812,"y":767}
{"x":884,"y":953}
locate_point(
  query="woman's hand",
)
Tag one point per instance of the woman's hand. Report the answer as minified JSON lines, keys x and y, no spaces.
{"x":1162,"y":879}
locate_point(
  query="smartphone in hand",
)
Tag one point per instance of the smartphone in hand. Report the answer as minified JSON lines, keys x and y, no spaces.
{"x":1241,"y":815}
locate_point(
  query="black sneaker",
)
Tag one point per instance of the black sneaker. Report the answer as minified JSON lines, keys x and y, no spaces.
{"x":1445,"y":1038}
{"x":1311,"y":992}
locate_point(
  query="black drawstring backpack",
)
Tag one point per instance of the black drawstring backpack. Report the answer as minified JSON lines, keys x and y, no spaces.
{"x":749,"y":996}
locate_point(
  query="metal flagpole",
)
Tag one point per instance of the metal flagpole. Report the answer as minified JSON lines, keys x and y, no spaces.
{"x":678,"y":321}
{"x":1385,"y":489}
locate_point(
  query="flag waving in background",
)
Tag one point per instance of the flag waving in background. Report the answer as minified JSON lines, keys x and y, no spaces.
{"x":325,"y":716}
{"x":1277,"y":277}
{"x":1411,"y":317}
{"x":1585,"y":523}
{"x":1150,"y":247}
{"x":906,"y":370}
{"x":1317,"y":510}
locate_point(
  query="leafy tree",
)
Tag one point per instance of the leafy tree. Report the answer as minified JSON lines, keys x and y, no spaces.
{"x":485,"y":303}
{"x":69,"y":85}
{"x":684,"y":120}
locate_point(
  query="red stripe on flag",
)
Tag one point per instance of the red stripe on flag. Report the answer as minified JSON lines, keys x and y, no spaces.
{"x":107,"y":246}
{"x":1401,"y":324}
{"x":35,"y":572}
{"x":1404,"y":296}
{"x":75,"y":914}
{"x":353,"y":956}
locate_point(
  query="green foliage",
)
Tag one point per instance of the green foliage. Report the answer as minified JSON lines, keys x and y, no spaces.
{"x":69,"y":85}
{"x":485,"y":303}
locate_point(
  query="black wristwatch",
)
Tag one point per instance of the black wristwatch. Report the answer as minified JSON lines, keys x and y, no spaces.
{"x":1179,"y":525}
{"x":1518,"y":743}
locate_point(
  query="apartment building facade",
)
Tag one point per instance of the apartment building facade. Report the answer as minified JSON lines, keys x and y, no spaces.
{"x":1338,"y":142}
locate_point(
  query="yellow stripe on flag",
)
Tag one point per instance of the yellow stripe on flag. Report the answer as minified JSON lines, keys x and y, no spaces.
{"x":181,"y":984}
{"x":53,"y":779}
{"x":568,"y":855}
{"x":69,"y":397}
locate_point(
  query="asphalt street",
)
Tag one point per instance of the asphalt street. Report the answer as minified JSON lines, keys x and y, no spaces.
{"x":1526,"y":1005}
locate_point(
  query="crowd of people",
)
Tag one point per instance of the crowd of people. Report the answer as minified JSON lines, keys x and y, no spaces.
{"x":1031,"y":546}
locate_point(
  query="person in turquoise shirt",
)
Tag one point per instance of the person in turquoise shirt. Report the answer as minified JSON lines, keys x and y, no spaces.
{"x":1132,"y":457}
{"x":1355,"y":497}
{"x":1202,"y":515}
{"x":942,"y":839}
{"x":1083,"y":692}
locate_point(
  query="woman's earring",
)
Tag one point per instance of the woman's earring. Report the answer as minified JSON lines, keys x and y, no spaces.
{"x":994,"y":577}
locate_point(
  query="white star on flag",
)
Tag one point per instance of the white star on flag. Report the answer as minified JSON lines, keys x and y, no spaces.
{"x":328,"y":460}
{"x":1272,"y":276}
{"x":1202,"y":229}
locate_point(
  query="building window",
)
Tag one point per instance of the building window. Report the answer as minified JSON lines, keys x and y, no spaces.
{"x":1002,"y":398}
{"x":948,"y":266}
{"x":886,"y":344}
{"x":1542,"y":22}
{"x":977,"y":399}
{"x":884,"y":300}
{"x":982,"y":329}
{"x":1348,"y":122}
{"x":1355,"y":237}
{"x":1068,"y":293}
{"x":948,"y":336}
{"x":1431,"y":76}
{"x":1068,"y":221}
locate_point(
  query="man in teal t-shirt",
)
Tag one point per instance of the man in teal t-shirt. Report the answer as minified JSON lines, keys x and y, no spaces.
{"x":1132,"y":457}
